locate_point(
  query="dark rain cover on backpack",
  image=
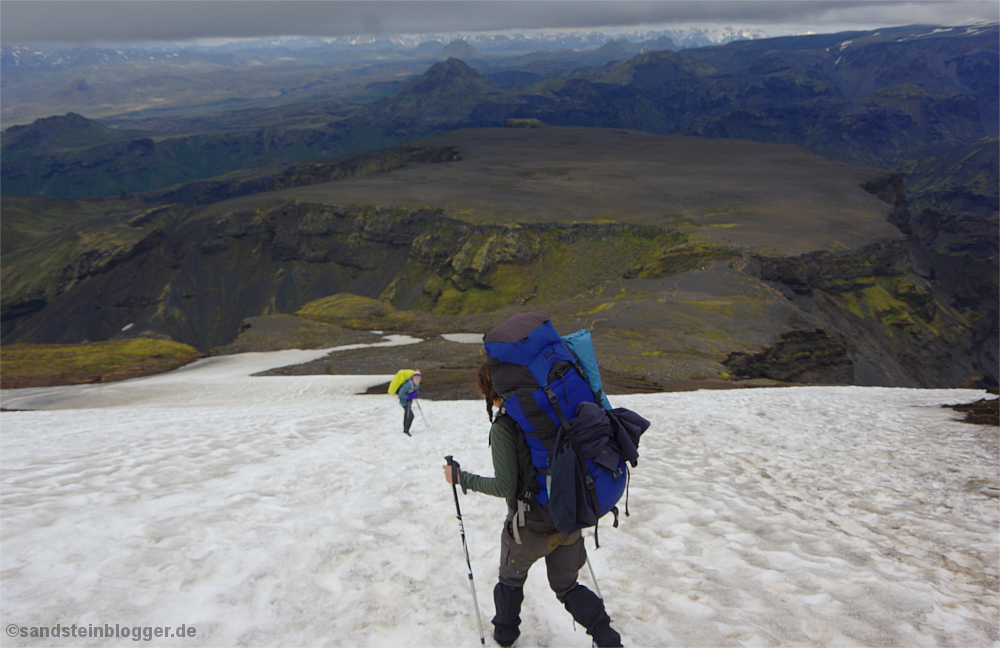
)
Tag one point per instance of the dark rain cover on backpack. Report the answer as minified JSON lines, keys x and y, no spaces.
{"x":578,"y":448}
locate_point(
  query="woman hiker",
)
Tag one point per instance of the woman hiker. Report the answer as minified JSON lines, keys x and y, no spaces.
{"x":407,"y":392}
{"x":538,"y":538}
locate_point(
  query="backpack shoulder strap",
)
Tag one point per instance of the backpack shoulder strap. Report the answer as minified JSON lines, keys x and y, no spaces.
{"x":504,"y":419}
{"x":527,"y":486}
{"x":524,"y":503}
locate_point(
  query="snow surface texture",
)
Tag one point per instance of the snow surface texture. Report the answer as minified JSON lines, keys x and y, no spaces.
{"x":288,"y":511}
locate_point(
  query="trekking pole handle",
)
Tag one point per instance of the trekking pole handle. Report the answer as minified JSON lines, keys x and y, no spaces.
{"x":456,"y":473}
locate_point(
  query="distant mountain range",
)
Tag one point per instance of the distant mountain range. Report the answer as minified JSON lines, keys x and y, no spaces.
{"x":16,"y":58}
{"x":234,"y":52}
{"x":882,"y":98}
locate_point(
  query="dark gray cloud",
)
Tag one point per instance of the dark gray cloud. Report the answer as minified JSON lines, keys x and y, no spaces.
{"x":83,"y":21}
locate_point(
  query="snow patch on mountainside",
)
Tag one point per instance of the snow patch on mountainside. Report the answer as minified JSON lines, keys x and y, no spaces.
{"x":291,"y":511}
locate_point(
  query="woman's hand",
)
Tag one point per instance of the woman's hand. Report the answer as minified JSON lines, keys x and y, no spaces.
{"x":452,"y":477}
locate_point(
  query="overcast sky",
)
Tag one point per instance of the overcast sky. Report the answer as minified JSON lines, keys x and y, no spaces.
{"x":129,"y":21}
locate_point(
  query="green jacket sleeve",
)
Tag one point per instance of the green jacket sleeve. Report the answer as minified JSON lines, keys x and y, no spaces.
{"x":505,"y":465}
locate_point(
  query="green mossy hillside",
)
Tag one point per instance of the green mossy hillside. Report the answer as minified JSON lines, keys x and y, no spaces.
{"x":56,"y":263}
{"x":904,"y":306}
{"x":31,"y":365}
{"x":529,"y":264}
{"x":681,"y":257}
{"x":357,"y":312}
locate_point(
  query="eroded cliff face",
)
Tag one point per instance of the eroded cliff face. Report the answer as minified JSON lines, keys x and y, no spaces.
{"x":195,"y":276}
{"x":861,"y":316}
{"x":898,"y":327}
{"x":68,"y":259}
{"x":797,"y":357}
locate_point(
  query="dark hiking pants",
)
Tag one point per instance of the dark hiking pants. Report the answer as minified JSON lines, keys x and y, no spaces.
{"x":407,"y":416}
{"x":564,"y":556}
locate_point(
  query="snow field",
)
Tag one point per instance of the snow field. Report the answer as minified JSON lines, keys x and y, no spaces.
{"x":288,"y":511}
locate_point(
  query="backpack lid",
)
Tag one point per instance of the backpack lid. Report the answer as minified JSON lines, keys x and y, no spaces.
{"x":515,"y":328}
{"x":527,"y":339}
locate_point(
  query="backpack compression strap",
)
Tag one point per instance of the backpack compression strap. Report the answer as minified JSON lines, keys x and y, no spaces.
{"x":587,"y":479}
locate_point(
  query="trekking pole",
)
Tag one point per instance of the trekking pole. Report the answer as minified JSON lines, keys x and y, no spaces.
{"x":461,"y":525}
{"x":594,"y":578}
{"x":417,"y":401}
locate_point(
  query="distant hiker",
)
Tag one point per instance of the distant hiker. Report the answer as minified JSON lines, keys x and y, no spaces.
{"x":529,"y":533}
{"x":406,"y":385}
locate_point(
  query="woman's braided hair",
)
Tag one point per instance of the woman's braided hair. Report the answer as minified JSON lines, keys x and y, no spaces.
{"x":484,"y":381}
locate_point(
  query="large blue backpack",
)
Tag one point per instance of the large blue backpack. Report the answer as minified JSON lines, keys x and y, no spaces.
{"x":580,"y":447}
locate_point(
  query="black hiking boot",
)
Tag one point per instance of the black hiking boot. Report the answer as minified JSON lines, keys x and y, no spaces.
{"x":507,"y":621}
{"x":588,"y":610}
